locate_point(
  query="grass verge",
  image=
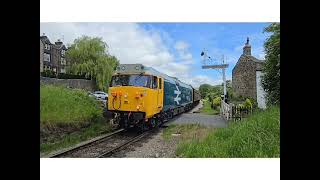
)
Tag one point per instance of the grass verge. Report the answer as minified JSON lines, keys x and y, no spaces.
{"x":59,"y":105}
{"x":256,"y":137}
{"x":206,"y":109}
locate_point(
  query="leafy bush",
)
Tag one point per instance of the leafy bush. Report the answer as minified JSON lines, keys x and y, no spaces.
{"x":48,"y":73}
{"x":216,"y":102}
{"x":247,"y":103}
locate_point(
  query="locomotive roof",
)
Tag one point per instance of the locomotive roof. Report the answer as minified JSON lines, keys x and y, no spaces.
{"x":139,"y":68}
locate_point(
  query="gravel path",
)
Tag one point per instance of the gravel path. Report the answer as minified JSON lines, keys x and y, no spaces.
{"x":202,"y":119}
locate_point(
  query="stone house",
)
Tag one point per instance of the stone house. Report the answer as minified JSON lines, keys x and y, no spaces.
{"x":58,"y":56}
{"x":52,"y":56}
{"x":41,"y":55}
{"x":246,"y":76}
{"x":47,"y":53}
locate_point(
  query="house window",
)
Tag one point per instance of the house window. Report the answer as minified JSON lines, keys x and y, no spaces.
{"x":62,"y":70}
{"x":46,"y":57}
{"x":63,"y":61}
{"x":47,"y":46}
{"x":47,"y":67}
{"x":63,"y":52}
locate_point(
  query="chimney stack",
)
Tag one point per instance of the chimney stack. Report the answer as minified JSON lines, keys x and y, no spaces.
{"x":247,"y":48}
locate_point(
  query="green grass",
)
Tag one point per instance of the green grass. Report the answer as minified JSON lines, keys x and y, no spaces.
{"x":206,"y":109}
{"x":59,"y":105}
{"x":95,"y":129}
{"x":257,"y":136}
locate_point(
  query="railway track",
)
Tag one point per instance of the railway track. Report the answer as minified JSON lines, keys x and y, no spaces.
{"x":104,"y":146}
{"x":72,"y":151}
{"x":124,"y":144}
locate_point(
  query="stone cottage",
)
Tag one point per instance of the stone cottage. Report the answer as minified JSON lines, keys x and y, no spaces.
{"x":52,"y":55}
{"x":246,"y":76}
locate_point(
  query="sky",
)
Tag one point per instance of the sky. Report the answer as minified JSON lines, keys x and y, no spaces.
{"x":171,"y":48}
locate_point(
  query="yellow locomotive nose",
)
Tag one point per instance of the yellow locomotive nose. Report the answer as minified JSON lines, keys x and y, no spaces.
{"x":139,"y":95}
{"x":127,"y":99}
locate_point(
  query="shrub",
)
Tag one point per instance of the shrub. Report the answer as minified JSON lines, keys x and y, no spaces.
{"x":247,"y":103}
{"x":216,"y":102}
{"x":48,"y":73}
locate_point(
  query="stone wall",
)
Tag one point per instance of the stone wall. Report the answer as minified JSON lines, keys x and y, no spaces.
{"x":88,"y":85}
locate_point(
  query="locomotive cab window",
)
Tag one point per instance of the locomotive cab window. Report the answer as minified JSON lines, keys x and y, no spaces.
{"x":155,"y":82}
{"x":138,"y":80}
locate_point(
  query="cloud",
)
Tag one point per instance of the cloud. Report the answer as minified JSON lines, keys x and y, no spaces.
{"x":127,"y":41}
{"x":183,"y":51}
{"x":131,"y":43}
{"x":197,"y":80}
{"x":181,"y":45}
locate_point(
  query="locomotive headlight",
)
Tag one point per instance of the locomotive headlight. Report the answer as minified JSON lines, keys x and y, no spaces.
{"x":138,"y":107}
{"x":137,"y":67}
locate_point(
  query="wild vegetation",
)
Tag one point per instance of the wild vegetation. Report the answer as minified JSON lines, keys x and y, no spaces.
{"x":271,"y":78}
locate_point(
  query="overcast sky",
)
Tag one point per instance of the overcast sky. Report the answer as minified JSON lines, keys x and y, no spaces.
{"x":171,"y":48}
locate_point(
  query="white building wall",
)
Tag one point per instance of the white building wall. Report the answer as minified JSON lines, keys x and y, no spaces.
{"x":261,"y":94}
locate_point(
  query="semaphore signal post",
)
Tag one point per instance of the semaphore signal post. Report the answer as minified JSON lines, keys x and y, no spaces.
{"x":222,"y":66}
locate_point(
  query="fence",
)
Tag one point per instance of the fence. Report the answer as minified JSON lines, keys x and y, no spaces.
{"x":235,"y":112}
{"x":225,"y":110}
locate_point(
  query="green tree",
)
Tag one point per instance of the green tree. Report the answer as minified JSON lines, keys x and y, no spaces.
{"x":271,"y":78}
{"x":204,"y":90}
{"x":89,"y":56}
{"x":210,"y":92}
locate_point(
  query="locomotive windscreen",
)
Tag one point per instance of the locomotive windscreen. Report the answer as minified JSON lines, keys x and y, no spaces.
{"x":131,"y":80}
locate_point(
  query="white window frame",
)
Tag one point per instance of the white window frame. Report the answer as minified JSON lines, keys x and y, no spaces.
{"x":45,"y":55}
